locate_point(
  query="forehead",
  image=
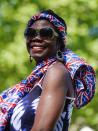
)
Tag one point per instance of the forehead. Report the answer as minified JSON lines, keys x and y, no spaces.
{"x":42,"y":24}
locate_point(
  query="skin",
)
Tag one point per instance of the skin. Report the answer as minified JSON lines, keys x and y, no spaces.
{"x":59,"y":81}
{"x":41,"y":48}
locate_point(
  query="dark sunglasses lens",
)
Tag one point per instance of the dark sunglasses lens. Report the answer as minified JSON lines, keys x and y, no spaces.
{"x":46,"y":32}
{"x":30,"y":32}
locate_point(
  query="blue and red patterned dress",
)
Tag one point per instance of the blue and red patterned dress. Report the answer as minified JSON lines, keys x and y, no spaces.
{"x":24,"y":113}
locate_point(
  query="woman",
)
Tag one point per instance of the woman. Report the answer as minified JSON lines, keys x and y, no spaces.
{"x":44,"y":101}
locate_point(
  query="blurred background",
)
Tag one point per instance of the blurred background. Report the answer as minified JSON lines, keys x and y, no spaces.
{"x":81,"y":17}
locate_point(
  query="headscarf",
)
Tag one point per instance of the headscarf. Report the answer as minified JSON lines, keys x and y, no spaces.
{"x":56,"y":22}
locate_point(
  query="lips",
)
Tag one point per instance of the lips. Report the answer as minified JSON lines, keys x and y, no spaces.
{"x":37,"y":47}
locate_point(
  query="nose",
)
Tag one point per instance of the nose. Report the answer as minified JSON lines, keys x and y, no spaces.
{"x":37,"y":39}
{"x":37,"y":35}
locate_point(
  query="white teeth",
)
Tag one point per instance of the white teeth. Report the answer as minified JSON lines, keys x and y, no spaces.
{"x":37,"y":47}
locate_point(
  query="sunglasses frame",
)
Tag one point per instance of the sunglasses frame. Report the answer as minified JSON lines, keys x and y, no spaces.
{"x":37,"y":32}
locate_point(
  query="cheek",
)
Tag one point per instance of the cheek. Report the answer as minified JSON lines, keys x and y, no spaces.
{"x":51,"y":43}
{"x":53,"y":46}
{"x":52,"y":49}
{"x":28,"y":41}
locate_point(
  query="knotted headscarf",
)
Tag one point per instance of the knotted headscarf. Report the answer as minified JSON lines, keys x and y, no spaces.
{"x":54,"y":20}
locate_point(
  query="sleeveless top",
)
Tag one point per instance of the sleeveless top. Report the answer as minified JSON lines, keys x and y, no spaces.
{"x":24,"y":113}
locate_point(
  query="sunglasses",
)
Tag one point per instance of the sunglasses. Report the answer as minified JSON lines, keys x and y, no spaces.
{"x":47,"y":33}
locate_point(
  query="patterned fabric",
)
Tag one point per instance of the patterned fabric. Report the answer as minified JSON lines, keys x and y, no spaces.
{"x":10,"y":97}
{"x":83,"y":78}
{"x":58,"y":24}
{"x":25,"y":111}
{"x":63,"y":122}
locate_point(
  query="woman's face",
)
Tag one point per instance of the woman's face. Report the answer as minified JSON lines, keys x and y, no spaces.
{"x":43,"y":44}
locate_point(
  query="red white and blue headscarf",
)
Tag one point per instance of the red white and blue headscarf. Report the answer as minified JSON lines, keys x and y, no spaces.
{"x":52,"y":19}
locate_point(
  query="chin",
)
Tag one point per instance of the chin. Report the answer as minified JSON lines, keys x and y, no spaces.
{"x":39,"y":57}
{"x":40,"y":54}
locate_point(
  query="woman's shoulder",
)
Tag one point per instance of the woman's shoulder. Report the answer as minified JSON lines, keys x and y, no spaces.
{"x":57,"y":77}
{"x":57,"y":69}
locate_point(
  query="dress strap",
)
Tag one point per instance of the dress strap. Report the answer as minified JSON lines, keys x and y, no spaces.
{"x":70,"y":98}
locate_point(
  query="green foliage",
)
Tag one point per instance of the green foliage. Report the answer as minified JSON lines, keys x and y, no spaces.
{"x":81,"y":17}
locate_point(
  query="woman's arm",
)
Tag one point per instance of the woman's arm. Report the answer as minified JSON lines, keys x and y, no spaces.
{"x":55,"y":85}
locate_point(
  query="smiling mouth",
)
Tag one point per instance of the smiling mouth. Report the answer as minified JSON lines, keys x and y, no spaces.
{"x":37,"y":45}
{"x":37,"y":48}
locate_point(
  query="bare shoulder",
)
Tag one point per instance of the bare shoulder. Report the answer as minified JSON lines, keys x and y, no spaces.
{"x":57,"y":76}
{"x":58,"y":69}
